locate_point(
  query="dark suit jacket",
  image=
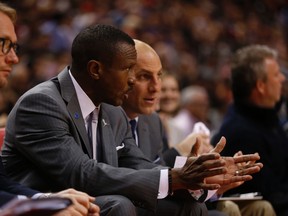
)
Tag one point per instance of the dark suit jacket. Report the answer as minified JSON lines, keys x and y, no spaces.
{"x":10,"y":189}
{"x":152,"y":140}
{"x":46,"y":147}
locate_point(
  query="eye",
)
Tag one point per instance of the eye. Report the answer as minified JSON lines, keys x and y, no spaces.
{"x":128,"y":69}
{"x":143,"y":77}
{"x":7,"y":45}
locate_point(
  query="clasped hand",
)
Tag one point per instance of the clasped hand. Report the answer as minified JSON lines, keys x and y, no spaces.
{"x":211,"y":171}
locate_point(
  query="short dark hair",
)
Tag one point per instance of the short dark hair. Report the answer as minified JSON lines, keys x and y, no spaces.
{"x":97,"y":42}
{"x":247,"y":68}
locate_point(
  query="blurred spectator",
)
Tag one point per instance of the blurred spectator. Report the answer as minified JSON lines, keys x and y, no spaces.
{"x":252,"y":123}
{"x":169,"y":106}
{"x":221,"y":98}
{"x":195,"y":107}
{"x":194,"y":39}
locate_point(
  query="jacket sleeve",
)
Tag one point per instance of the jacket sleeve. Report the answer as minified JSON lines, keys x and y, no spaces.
{"x":11,"y":188}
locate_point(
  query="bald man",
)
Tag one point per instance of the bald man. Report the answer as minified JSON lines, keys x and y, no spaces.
{"x":139,"y":107}
{"x":142,"y":100}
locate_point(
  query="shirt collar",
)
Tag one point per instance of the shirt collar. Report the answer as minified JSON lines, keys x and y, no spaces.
{"x":86,"y":104}
{"x":134,"y":118}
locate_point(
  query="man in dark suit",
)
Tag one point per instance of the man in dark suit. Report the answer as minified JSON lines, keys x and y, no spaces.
{"x":68,"y":132}
{"x":10,"y":190}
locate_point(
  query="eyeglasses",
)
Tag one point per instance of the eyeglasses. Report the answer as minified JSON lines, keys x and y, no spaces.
{"x":7,"y":45}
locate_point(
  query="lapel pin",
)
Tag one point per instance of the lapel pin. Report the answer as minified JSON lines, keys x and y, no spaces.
{"x":104,"y":122}
{"x":76,"y":115}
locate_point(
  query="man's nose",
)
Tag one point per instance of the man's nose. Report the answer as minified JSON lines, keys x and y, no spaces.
{"x":155,"y":85}
{"x":11,"y":57}
{"x":131,"y":81}
{"x":131,"y":77}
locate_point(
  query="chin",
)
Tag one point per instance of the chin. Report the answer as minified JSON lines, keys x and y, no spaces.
{"x":3,"y":83}
{"x":117,"y":104}
{"x":147,"y":111}
{"x":114,"y":102}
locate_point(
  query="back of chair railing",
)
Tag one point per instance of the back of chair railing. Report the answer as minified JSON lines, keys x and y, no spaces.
{"x":2,"y":134}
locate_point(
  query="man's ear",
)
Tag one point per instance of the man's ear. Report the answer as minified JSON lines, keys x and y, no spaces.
{"x":94,"y":69}
{"x":260,"y":85}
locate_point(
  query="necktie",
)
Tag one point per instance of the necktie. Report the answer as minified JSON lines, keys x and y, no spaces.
{"x":92,"y":130}
{"x":99,"y":152}
{"x":133,"y":125}
{"x":89,"y":130}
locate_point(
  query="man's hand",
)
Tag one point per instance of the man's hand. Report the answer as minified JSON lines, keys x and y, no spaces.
{"x":239,"y":168}
{"x":82,"y":204}
{"x":225,"y":188}
{"x":211,"y":171}
{"x":196,"y":169}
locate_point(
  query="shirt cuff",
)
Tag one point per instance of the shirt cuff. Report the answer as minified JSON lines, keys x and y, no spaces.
{"x":212,"y":195}
{"x":164,"y":185}
{"x":22,"y":197}
{"x":37,"y":196}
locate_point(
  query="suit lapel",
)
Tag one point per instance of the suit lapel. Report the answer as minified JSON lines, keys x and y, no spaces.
{"x":109,"y":152}
{"x":73,"y":107}
{"x":143,"y":137}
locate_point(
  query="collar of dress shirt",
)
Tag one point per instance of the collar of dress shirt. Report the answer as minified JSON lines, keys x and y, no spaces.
{"x":86,"y":104}
{"x":136,"y":134}
{"x":134,"y":118}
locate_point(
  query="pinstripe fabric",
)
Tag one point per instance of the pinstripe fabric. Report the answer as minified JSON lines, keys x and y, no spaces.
{"x":47,"y":147}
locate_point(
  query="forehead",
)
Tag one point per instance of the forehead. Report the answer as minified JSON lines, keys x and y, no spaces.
{"x":7,"y":28}
{"x":125,"y":55}
{"x":271,"y":64}
{"x":149,"y":61}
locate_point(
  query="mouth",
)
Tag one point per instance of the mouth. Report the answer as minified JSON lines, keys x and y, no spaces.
{"x":150,"y":100}
{"x":6,"y":72}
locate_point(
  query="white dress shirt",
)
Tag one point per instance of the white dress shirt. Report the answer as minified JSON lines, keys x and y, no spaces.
{"x":87,"y":107}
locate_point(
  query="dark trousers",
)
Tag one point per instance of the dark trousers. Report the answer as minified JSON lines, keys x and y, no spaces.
{"x":180,"y":204}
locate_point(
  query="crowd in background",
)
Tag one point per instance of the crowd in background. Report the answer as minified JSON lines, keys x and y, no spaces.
{"x":194,"y":38}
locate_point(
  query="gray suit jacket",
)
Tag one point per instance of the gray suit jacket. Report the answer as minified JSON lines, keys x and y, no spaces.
{"x":152,"y":140}
{"x":150,"y":137}
{"x":46,"y":147}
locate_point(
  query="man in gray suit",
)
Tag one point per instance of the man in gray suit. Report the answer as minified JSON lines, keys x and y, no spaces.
{"x":67,"y":132}
{"x":14,"y":196}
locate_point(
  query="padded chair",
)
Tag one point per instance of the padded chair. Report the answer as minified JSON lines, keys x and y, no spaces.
{"x":2,"y":134}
